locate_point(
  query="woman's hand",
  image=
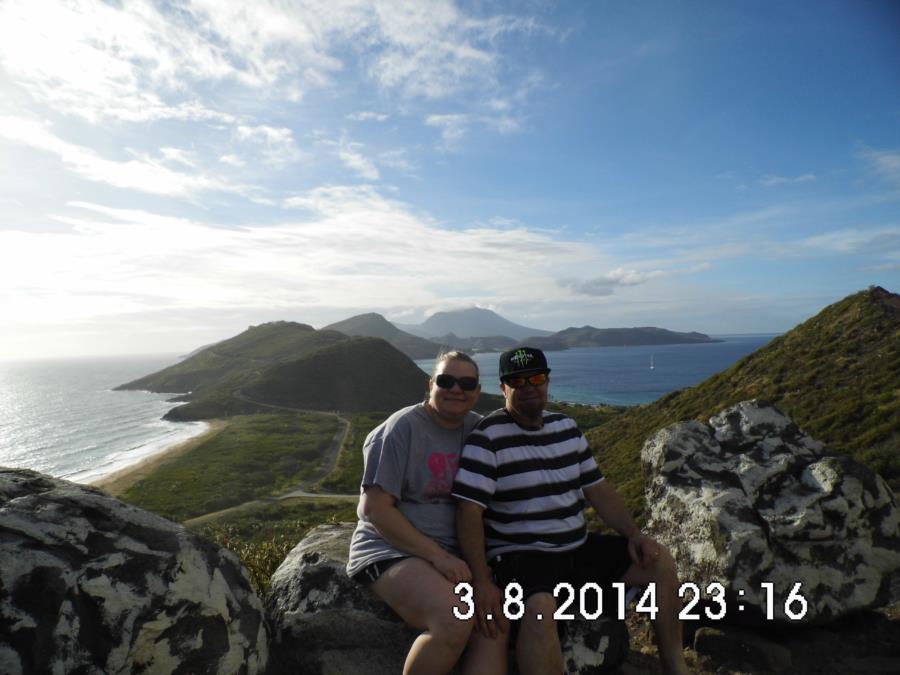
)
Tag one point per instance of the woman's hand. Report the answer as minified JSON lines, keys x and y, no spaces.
{"x":453,"y":568}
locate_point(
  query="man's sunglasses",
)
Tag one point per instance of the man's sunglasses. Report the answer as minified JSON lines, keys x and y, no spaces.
{"x":445,"y":381}
{"x":517,"y":382}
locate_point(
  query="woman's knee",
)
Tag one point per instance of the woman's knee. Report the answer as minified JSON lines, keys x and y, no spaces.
{"x":444,"y":626}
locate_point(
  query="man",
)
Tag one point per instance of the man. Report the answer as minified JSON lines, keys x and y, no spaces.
{"x":523,"y":479}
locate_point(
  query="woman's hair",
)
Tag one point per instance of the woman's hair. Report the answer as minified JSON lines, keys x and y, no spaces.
{"x":454,"y":355}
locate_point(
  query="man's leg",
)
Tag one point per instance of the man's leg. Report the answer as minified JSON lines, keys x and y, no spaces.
{"x":667,"y":625}
{"x":424,"y":599}
{"x":538,"y":651}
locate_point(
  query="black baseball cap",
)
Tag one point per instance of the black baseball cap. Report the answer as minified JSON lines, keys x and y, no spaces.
{"x":522,"y":361}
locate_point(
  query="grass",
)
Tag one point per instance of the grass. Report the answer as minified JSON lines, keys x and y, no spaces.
{"x":254,"y":456}
{"x":347,"y":473}
{"x":263,"y":536}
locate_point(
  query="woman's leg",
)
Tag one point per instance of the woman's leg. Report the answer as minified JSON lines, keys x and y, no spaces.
{"x":486,"y":656}
{"x":424,"y":599}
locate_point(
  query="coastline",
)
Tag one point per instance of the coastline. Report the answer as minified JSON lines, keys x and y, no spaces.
{"x":119,"y":481}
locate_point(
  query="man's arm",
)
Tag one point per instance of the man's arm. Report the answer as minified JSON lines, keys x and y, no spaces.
{"x":470,"y":533}
{"x":380,"y":509}
{"x":610,"y":506}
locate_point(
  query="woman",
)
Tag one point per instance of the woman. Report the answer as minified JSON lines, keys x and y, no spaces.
{"x":404,"y":546}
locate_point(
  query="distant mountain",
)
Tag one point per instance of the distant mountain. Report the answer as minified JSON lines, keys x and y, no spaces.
{"x":491,"y":343}
{"x":472,"y":322}
{"x":375,"y":325}
{"x":836,"y":375}
{"x":588,"y":336}
{"x":240,"y":357}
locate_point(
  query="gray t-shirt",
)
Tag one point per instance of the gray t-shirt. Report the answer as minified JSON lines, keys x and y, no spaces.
{"x":413,"y":459}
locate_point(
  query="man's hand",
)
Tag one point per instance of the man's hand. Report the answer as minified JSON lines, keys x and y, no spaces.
{"x":643,"y":550}
{"x":489,"y":600}
{"x":454,"y":569}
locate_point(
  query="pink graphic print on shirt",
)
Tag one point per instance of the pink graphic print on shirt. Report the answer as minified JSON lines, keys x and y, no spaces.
{"x":442,"y":466}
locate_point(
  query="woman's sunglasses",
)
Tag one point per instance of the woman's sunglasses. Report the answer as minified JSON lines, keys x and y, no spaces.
{"x":445,"y":381}
{"x":535,"y":380}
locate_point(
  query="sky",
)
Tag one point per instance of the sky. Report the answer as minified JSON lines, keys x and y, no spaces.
{"x":174,"y":172}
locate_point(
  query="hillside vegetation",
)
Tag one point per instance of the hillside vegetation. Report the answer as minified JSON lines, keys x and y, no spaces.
{"x":375,"y":325}
{"x":837,"y":375}
{"x":254,"y":456}
{"x":238,"y":358}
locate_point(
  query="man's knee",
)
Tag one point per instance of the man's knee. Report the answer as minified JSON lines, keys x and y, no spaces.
{"x":538,"y":618}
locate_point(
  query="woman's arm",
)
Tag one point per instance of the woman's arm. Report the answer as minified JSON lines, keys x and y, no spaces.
{"x":380,"y":509}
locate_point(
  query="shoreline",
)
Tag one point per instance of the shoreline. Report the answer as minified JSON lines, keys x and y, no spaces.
{"x":119,"y":481}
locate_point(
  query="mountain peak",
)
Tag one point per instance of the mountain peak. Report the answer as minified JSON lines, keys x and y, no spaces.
{"x":476,"y":322}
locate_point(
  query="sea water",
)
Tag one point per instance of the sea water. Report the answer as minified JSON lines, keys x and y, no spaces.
{"x":627,"y":375}
{"x":63,"y":417}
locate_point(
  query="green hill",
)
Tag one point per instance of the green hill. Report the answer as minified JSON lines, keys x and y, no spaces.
{"x":837,"y":375}
{"x":375,"y":325}
{"x":355,"y":375}
{"x":241,"y":357}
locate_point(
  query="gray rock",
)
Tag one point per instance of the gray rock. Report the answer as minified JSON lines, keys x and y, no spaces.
{"x":742,"y":649}
{"x":324,"y":623}
{"x":90,"y":584}
{"x":750,"y":499}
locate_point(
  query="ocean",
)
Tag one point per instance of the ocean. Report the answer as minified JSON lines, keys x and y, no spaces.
{"x":62,"y":417}
{"x":627,"y":375}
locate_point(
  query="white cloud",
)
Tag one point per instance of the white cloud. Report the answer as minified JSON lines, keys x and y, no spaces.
{"x":277,"y":144}
{"x":609,"y":282}
{"x":348,"y":153}
{"x":886,"y":163}
{"x":453,"y":127}
{"x":143,"y":60}
{"x":118,"y":261}
{"x":143,"y":174}
{"x":179,"y":156}
{"x":398,"y":160}
{"x":880,"y":240}
{"x":770,"y":180}
{"x":232,"y":160}
{"x":366,"y":116}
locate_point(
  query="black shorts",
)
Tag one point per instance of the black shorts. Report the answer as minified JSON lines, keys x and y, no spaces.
{"x":370,"y":573}
{"x":603,"y":559}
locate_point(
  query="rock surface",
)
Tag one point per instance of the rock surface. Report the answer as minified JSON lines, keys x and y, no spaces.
{"x":325,"y":623}
{"x":750,"y":499}
{"x":89,"y":584}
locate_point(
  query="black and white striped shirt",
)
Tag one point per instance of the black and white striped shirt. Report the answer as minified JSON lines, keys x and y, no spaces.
{"x":529,"y":482}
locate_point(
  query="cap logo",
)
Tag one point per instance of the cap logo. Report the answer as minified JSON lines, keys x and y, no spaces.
{"x":521,"y":358}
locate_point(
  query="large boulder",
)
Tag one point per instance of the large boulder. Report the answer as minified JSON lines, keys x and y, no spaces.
{"x":89,"y":584}
{"x":324,"y":623}
{"x":750,"y":499}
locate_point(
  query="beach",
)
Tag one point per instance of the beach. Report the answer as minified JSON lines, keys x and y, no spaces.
{"x":119,"y":481}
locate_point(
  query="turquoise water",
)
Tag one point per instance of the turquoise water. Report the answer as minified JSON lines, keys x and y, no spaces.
{"x":623,"y":375}
{"x":63,"y":418}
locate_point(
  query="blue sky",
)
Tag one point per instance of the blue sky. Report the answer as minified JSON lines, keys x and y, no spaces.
{"x":171,"y":173}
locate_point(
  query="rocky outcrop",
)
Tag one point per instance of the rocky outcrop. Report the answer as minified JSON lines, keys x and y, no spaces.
{"x":325,"y":623}
{"x":89,"y":584}
{"x":749,"y":499}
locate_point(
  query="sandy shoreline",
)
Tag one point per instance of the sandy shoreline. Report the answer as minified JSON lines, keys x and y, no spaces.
{"x":116,"y":483}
